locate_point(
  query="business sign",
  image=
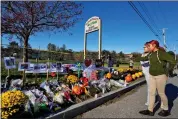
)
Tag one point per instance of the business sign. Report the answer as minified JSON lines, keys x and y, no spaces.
{"x":9,"y":62}
{"x":92,"y":24}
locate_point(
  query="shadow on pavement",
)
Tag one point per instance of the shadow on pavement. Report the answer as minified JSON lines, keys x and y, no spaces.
{"x":172,"y":93}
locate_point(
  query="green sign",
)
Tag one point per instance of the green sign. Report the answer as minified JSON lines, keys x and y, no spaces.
{"x":93,"y":22}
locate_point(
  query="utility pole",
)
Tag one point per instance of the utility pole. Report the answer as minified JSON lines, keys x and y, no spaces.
{"x":164,"y":37}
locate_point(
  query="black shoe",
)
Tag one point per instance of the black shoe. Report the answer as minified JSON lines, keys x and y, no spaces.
{"x":146,"y":112}
{"x":164,"y":113}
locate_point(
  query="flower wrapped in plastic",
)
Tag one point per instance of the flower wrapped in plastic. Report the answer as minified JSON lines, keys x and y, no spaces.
{"x":72,"y":79}
{"x":12,"y":102}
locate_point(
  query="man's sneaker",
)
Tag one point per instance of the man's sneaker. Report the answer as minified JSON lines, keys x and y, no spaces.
{"x":146,"y":112}
{"x":164,"y":113}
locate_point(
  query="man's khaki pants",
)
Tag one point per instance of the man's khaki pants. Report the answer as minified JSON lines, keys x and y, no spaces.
{"x":159,"y":83}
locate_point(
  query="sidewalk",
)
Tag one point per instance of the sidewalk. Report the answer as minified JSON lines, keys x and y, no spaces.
{"x":128,"y":105}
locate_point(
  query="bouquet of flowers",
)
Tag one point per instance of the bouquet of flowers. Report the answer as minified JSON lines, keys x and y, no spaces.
{"x":12,"y":102}
{"x":72,"y":79}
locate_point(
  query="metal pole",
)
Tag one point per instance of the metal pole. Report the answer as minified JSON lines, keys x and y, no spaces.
{"x":57,"y":69}
{"x":57,"y":74}
{"x":85,"y":43}
{"x":164,"y":38}
{"x":100,"y":39}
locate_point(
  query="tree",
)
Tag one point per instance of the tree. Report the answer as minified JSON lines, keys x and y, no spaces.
{"x":114,"y":56}
{"x":121,"y":55}
{"x":13,"y":45}
{"x":29,"y":46}
{"x":51,"y":47}
{"x":13,"y":48}
{"x":63,"y":48}
{"x":25,"y":18}
{"x":70,"y":50}
{"x":57,"y":49}
{"x":136,"y":56}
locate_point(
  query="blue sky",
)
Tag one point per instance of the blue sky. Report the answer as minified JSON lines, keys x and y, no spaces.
{"x":122,"y":29}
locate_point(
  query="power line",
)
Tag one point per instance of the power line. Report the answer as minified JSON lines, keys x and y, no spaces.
{"x":149,"y":16}
{"x":141,"y":16}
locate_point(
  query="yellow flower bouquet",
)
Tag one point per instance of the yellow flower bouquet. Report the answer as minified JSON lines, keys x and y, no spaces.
{"x":72,"y":79}
{"x":11,"y":101}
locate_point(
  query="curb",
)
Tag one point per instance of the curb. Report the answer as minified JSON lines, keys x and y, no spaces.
{"x":89,"y":104}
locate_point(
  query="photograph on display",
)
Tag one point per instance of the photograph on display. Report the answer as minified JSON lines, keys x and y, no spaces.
{"x":43,"y":67}
{"x":58,"y":65}
{"x":36,"y":67}
{"x":53,"y":67}
{"x":31,"y":67}
{"x":9,"y":62}
{"x":24,"y":66}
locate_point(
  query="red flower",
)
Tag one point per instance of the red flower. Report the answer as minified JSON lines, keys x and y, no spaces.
{"x":53,"y":74}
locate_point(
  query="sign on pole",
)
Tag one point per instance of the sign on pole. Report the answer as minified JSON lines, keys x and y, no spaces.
{"x":93,"y":24}
{"x":9,"y":62}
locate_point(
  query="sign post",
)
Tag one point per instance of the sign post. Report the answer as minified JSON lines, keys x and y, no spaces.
{"x":93,"y":24}
{"x":47,"y":73}
{"x":58,"y":67}
{"x":9,"y":64}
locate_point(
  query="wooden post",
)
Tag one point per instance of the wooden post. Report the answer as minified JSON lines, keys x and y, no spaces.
{"x":8,"y":72}
{"x":37,"y":60}
{"x":57,"y":74}
{"x":47,"y":70}
{"x":36,"y":73}
{"x":24,"y":77}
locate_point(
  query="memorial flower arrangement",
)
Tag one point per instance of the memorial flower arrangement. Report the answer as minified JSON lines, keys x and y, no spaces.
{"x":72,"y":79}
{"x":12,"y":101}
{"x":52,"y":95}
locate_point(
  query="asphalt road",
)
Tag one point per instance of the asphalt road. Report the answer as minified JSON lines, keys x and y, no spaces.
{"x":128,"y":105}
